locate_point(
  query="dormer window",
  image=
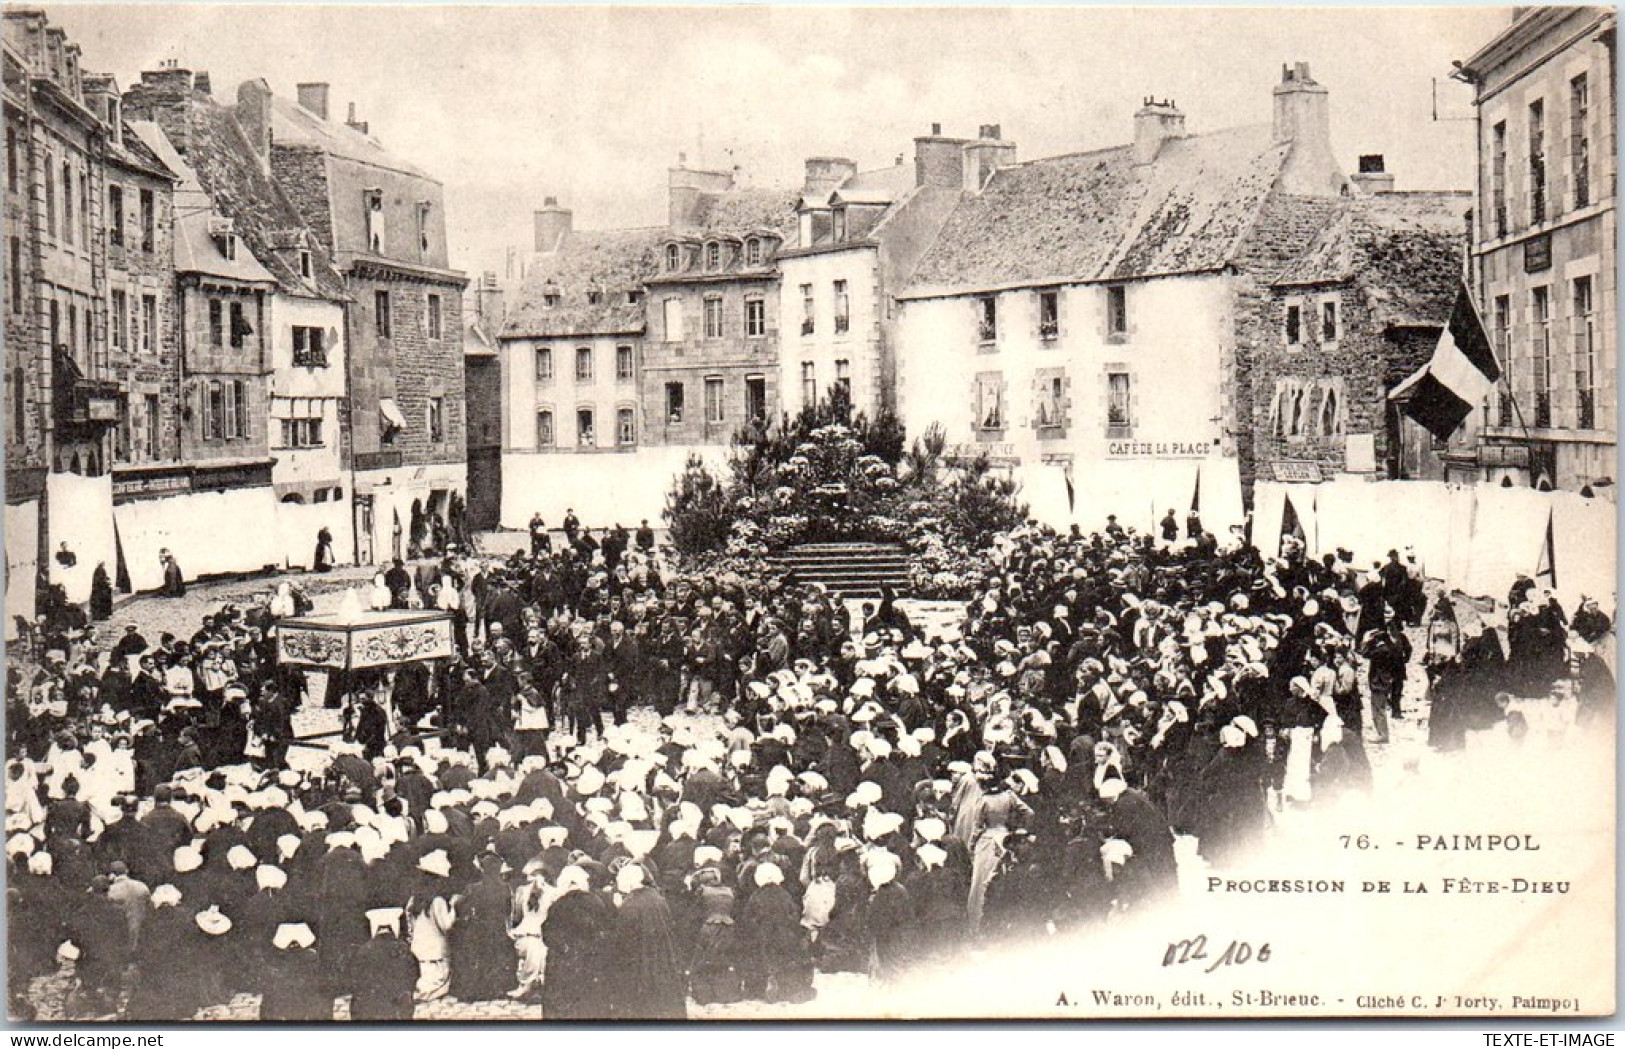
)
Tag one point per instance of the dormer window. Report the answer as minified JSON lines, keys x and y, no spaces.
{"x":840,"y":224}
{"x":753,"y":252}
{"x":674,"y":258}
{"x":713,"y":255}
{"x":424,"y":207}
{"x":305,"y":269}
{"x":228,"y":247}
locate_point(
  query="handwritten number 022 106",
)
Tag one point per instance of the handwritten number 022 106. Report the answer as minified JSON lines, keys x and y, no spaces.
{"x":1239,"y":952}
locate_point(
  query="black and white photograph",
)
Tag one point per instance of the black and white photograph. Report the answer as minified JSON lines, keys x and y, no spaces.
{"x":798,"y":513}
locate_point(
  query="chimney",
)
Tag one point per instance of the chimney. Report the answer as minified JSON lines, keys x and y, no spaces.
{"x":313,"y":99}
{"x":984,"y":155}
{"x":1303,"y":118}
{"x":354,"y":124}
{"x":488,"y":303}
{"x":686,"y":187}
{"x":254,"y":114}
{"x":552,"y":225}
{"x":823,"y":174}
{"x":201,"y":84}
{"x":168,"y":78}
{"x":1372,"y":177}
{"x":1155,"y":123}
{"x":939,"y":161}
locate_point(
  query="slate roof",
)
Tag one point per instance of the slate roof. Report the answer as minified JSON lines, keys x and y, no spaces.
{"x":741,"y":211}
{"x":294,"y":125}
{"x":1404,"y":250}
{"x":1099,"y":216}
{"x":224,"y":165}
{"x":881,"y":186}
{"x":611,"y":262}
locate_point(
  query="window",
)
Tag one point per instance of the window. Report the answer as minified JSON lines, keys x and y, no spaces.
{"x":595,"y":297}
{"x":1049,"y":315}
{"x":67,"y":202}
{"x":989,"y":402}
{"x":237,"y":408}
{"x":1542,"y":355}
{"x":809,"y":383}
{"x":713,"y":316}
{"x":380,"y":313}
{"x":672,"y":312}
{"x":755,"y":398}
{"x":1580,"y":139}
{"x":843,"y":309}
{"x":56,"y":325}
{"x":634,"y":296}
{"x":153,"y":430}
{"x":713,"y":400}
{"x":843,"y":381}
{"x":50,"y":199}
{"x":84,"y":210}
{"x":308,"y":350}
{"x":305,"y":269}
{"x":115,"y":215}
{"x":755,"y":317}
{"x":806,"y":309}
{"x":73,"y":326}
{"x":1119,"y":404}
{"x":1051,"y":413}
{"x":372,"y":203}
{"x":674,"y":257}
{"x":217,"y":323}
{"x":16,"y":274}
{"x":1328,"y":321}
{"x":149,"y":220}
{"x":214,"y":412}
{"x":437,"y":420}
{"x":1294,"y":325}
{"x":424,"y":208}
{"x":302,"y":428}
{"x":11,"y":159}
{"x":713,"y":255}
{"x":544,"y":364}
{"x":1117,"y":311}
{"x":674,"y":403}
{"x":1498,"y":177}
{"x":1537,"y":161}
{"x":19,"y":406}
{"x":228,"y":247}
{"x":119,"y":329}
{"x":544,"y":429}
{"x":1503,"y":330}
{"x":987,"y":319}
{"x":623,"y":363}
{"x":434,"y":317}
{"x":626,"y":427}
{"x":1585,"y":355}
{"x":753,"y":252}
{"x":840,"y":224}
{"x":583,"y":364}
{"x":584,"y":430}
{"x":240,"y":328}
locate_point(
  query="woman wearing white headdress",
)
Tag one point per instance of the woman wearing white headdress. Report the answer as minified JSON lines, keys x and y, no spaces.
{"x":431,"y":914}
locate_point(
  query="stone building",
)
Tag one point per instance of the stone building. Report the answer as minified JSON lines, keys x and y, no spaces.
{"x":1094,"y":322}
{"x":382,"y":220}
{"x":711,"y":360}
{"x":483,"y":316}
{"x":858,"y":236}
{"x":1544,"y":247}
{"x":262,"y":323}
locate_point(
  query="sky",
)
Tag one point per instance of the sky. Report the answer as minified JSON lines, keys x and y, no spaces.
{"x":509,"y":105}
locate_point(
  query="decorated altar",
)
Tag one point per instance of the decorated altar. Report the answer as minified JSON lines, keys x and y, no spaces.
{"x":361,"y":640}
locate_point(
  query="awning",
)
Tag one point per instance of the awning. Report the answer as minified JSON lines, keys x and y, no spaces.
{"x":393,"y":419}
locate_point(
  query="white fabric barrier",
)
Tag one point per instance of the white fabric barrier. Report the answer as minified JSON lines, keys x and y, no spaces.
{"x":22,"y":562}
{"x":81,"y":514}
{"x":297,"y":525}
{"x":603,"y":489}
{"x":1476,"y":538}
{"x":1222,"y":507}
{"x":209,"y":533}
{"x":1044,"y":490}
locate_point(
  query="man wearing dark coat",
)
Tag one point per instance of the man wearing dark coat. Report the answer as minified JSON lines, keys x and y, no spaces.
{"x":290,"y":986}
{"x":385,"y":974}
{"x":577,"y":932}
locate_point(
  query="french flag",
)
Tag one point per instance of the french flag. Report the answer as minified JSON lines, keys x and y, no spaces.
{"x":1461,"y":373}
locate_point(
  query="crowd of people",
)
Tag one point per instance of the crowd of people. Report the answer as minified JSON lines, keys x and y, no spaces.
{"x":635,"y":789}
